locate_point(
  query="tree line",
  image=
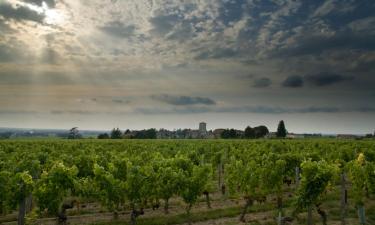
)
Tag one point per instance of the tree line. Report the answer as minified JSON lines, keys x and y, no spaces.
{"x":248,"y":133}
{"x":116,"y":133}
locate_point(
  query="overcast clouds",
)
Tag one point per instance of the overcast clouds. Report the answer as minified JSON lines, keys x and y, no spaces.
{"x":100,"y":64}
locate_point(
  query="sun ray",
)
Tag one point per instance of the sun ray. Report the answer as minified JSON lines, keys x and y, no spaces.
{"x":53,"y":16}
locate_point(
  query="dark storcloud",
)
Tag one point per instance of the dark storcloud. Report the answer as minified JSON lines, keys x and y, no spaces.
{"x":254,"y":109}
{"x":183,"y":100}
{"x":183,"y":31}
{"x":315,"y":45}
{"x":14,"y":53}
{"x":363,"y":65}
{"x":262,"y":82}
{"x":217,"y":53}
{"x":121,"y":101}
{"x":163,"y":24}
{"x":7,"y":54}
{"x":293,"y":82}
{"x":325,"y":79}
{"x":20,"y":13}
{"x":118,"y":29}
{"x":5,"y":28}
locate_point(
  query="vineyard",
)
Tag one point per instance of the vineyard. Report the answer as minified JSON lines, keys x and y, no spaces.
{"x":187,"y":181}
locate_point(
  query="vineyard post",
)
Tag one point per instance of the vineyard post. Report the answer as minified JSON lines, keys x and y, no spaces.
{"x":279,"y":219}
{"x":22,"y":211}
{"x":309,"y":215}
{"x":361,"y":214}
{"x":343,"y":198}
{"x":188,"y":209}
{"x":207,"y":195}
{"x":219,"y":174}
{"x":166,"y":205}
{"x":29,"y":203}
{"x":297,"y":176}
{"x":222,"y":178}
{"x":24,"y":186}
{"x":322,"y":214}
{"x":280,"y":209}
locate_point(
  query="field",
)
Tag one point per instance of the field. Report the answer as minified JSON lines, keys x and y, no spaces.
{"x":317,"y":181}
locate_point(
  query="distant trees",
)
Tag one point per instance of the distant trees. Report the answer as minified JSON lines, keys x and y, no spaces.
{"x":281,"y":130}
{"x":249,"y":132}
{"x":116,"y":133}
{"x":145,"y":134}
{"x":5,"y":135}
{"x":74,"y":133}
{"x":256,"y":132}
{"x":261,"y":131}
{"x":103,"y":136}
{"x":230,"y":134}
{"x":141,"y":134}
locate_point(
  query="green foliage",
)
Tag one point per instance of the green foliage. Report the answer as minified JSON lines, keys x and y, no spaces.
{"x":31,"y":218}
{"x":27,"y":162}
{"x":315,"y":179}
{"x":85,"y":164}
{"x":137,"y":172}
{"x":54,"y":185}
{"x":243,"y":177}
{"x":119,"y":168}
{"x":21,"y":186}
{"x":111,"y":191}
{"x":272,"y":175}
{"x":359,"y":174}
{"x":169,"y":179}
{"x":4,"y":190}
{"x":136,"y":185}
{"x":194,"y":183}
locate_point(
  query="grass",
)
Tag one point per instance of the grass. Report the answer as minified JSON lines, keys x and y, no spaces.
{"x":183,"y":218}
{"x":196,"y":216}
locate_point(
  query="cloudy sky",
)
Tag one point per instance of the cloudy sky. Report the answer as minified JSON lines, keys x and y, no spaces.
{"x":98,"y":64}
